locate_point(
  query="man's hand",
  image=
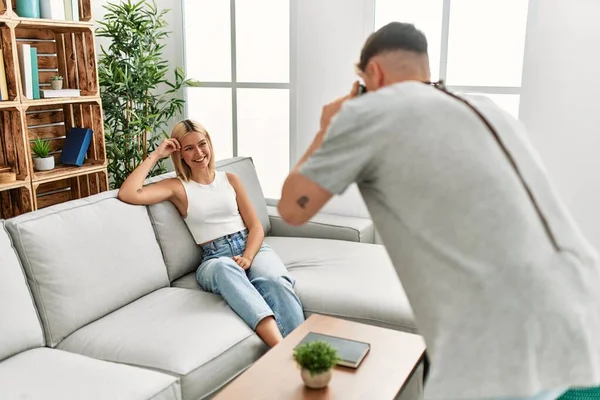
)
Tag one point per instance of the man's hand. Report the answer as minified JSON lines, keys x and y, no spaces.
{"x":331,"y":109}
{"x":243,"y":262}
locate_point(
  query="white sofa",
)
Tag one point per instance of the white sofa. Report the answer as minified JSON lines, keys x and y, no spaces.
{"x":98,"y":298}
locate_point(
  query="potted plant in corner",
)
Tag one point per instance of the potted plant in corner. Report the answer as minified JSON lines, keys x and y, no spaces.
{"x":316,"y":360}
{"x":138,"y":107}
{"x":42,"y":161}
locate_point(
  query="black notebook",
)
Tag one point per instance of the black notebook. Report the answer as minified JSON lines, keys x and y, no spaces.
{"x":350,"y":351}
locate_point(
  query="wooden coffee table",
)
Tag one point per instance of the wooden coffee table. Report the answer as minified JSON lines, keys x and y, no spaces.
{"x":383,"y":373}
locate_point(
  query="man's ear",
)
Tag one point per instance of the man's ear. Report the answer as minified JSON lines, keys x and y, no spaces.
{"x":378,"y":74}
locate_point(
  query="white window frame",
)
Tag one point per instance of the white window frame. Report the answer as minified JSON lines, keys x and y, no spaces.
{"x":443,"y":66}
{"x":444,"y":62}
{"x":234,"y":84}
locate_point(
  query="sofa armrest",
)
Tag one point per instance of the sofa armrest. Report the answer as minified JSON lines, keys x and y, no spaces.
{"x":324,"y":226}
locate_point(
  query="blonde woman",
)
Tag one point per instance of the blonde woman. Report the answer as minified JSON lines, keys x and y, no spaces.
{"x":236,"y":263}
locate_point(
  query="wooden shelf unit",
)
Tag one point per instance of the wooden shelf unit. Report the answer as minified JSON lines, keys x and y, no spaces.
{"x":65,"y":48}
{"x":15,"y":201}
{"x":79,"y":184}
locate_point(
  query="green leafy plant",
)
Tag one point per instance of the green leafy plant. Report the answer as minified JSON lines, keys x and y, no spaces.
{"x":316,"y":356}
{"x":138,"y":100}
{"x":56,"y":78}
{"x":40,"y":148}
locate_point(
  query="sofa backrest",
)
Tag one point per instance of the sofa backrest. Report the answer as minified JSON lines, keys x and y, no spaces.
{"x":86,"y":258}
{"x":181,"y":253}
{"x":20,"y":327}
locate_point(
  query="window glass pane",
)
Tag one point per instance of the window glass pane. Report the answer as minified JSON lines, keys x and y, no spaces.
{"x":262,"y":40}
{"x":508,"y":102}
{"x":426,"y":15}
{"x":264,"y":133}
{"x":486,"y":42}
{"x":207,"y":40}
{"x":211,"y":107}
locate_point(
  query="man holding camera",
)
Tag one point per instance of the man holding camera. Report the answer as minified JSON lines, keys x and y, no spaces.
{"x":504,"y":288}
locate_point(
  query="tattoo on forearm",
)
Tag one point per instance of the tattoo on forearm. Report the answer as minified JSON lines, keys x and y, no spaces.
{"x":302,"y":201}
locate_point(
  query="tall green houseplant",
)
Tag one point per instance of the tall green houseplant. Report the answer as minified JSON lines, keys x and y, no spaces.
{"x":138,"y":100}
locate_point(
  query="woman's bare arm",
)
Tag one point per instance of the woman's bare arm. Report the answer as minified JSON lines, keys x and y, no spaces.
{"x":256,"y":233}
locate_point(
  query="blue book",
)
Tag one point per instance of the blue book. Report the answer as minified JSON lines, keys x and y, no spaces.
{"x":35,"y":74}
{"x":76,"y":146}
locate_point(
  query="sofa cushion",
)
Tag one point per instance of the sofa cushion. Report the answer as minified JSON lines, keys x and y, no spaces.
{"x":244,"y":168}
{"x":54,"y":374}
{"x":186,"y":333}
{"x":20,"y":327}
{"x":85,"y":259}
{"x":355,"y":281}
{"x":180,"y":252}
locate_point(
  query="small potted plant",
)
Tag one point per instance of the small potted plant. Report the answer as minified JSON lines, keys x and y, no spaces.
{"x":42,"y":161}
{"x":56,"y":82}
{"x":316,"y":360}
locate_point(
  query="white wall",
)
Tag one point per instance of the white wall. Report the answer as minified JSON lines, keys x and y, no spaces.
{"x":560,"y":101}
{"x":329,"y":37}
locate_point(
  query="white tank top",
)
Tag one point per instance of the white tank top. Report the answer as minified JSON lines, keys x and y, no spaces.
{"x":212,"y":209}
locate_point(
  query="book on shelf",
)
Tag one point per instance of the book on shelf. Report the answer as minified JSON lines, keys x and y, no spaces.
{"x":76,"y":146}
{"x":54,"y":93}
{"x":66,"y":10}
{"x":35,"y":73}
{"x":351,"y":352}
{"x":3,"y":85}
{"x":52,"y":9}
{"x":24,"y":51}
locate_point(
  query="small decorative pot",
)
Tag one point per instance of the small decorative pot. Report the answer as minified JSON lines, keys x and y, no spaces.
{"x":56,"y":84}
{"x":316,"y":381}
{"x":43,"y":164}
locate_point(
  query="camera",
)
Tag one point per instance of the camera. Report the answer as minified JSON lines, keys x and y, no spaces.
{"x":362,"y":89}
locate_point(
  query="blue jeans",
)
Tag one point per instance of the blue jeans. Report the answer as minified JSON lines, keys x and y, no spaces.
{"x":265,"y":289}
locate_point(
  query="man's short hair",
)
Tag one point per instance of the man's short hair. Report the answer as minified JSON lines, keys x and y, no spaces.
{"x":393,"y":36}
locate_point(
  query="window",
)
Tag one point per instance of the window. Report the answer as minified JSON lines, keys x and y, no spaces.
{"x":475,"y":46}
{"x":240,"y":52}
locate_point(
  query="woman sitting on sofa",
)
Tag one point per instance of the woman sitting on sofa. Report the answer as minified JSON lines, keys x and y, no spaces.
{"x":236,"y":263}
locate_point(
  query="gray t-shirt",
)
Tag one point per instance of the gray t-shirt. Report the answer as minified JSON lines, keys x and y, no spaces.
{"x":504,"y":288}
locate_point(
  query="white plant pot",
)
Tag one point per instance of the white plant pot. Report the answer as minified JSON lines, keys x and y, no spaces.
{"x":56,"y":84}
{"x":43,"y":164}
{"x":317,"y":381}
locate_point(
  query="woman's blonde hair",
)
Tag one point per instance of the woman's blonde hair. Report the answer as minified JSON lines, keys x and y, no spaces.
{"x":181,"y":130}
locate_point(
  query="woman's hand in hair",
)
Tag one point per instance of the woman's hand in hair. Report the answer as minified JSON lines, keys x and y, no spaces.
{"x":167,"y":147}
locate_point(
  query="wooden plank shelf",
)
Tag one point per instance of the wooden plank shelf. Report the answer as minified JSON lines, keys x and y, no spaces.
{"x":49,"y":193}
{"x":13,"y":185}
{"x":69,"y":53}
{"x":13,"y":151}
{"x":65,"y":48}
{"x":61,"y":101}
{"x":51,"y":122}
{"x":15,"y":201}
{"x":67,"y":171}
{"x":55,"y":25}
{"x":6,"y":105}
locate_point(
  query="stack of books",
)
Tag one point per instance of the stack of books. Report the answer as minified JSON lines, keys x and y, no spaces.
{"x":67,"y":10}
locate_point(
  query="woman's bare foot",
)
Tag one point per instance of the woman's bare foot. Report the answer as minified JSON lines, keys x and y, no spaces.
{"x":268,"y":331}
